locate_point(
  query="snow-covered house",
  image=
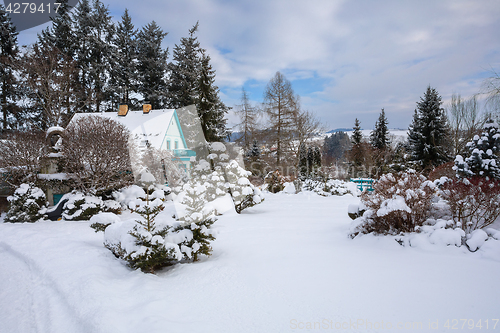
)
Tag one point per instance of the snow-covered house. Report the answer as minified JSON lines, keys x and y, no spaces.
{"x":159,"y":129}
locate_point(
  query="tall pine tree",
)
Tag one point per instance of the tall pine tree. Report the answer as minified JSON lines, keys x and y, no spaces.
{"x":211,"y":109}
{"x":428,"y":132}
{"x":184,"y":73}
{"x":379,"y":138}
{"x":124,"y":69}
{"x":357,"y":152}
{"x":8,"y":55}
{"x":152,"y":65}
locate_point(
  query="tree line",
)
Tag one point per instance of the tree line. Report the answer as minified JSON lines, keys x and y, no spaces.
{"x":85,"y":62}
{"x":436,"y":136}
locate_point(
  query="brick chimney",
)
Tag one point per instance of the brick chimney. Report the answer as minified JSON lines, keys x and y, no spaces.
{"x":146,"y":108}
{"x":123,"y":110}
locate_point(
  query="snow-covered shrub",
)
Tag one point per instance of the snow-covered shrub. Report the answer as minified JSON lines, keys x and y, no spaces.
{"x":82,"y":207}
{"x":399,"y":203}
{"x":275,"y":182}
{"x":101,"y":221}
{"x":243,"y":192}
{"x":27,"y":204}
{"x":193,"y":234}
{"x":330,"y":187}
{"x":483,"y":160}
{"x":474,"y":202}
{"x":141,"y":243}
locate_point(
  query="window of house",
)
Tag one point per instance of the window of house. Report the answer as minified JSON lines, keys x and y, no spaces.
{"x":176,"y":145}
{"x":168,"y":145}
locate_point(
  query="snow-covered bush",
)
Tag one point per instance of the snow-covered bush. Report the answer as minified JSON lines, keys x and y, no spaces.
{"x":243,"y":192}
{"x":27,"y":204}
{"x":399,"y":203}
{"x":446,"y":233}
{"x":221,"y":176}
{"x":82,"y":207}
{"x":131,"y":196}
{"x":474,"y":202}
{"x":483,"y":160}
{"x":101,"y":221}
{"x":193,"y":234}
{"x":141,"y":243}
{"x":275,"y":182}
{"x":330,"y":187}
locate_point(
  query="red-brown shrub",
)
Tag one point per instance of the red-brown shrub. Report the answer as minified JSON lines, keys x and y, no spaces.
{"x":474,"y":202}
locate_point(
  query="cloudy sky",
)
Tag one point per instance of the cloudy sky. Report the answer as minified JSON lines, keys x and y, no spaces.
{"x":346,"y":59}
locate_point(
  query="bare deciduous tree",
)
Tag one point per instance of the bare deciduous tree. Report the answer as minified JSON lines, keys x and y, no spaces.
{"x":96,"y":154}
{"x":248,"y":115}
{"x":51,"y":78}
{"x":281,"y":107}
{"x":21,"y":156}
{"x":464,"y":122}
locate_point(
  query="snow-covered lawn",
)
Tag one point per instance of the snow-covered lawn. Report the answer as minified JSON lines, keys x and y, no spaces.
{"x":281,"y":266}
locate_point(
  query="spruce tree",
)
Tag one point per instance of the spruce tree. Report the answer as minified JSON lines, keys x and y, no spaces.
{"x":152,"y":65}
{"x":357,"y":152}
{"x":197,"y":222}
{"x":124,"y":70}
{"x":184,"y":73}
{"x":428,"y":132}
{"x":93,"y":31}
{"x":483,"y":160}
{"x":61,"y":34}
{"x":211,"y":109}
{"x":379,"y":138}
{"x":8,"y":55}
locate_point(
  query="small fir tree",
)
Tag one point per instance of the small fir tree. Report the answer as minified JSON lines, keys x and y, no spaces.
{"x":196,"y":223}
{"x":27,"y":204}
{"x":150,"y":250}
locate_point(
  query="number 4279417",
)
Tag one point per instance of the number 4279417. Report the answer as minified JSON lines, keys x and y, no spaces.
{"x":32,"y":8}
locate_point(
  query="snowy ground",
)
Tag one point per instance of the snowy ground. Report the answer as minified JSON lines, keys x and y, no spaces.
{"x":283,"y":266}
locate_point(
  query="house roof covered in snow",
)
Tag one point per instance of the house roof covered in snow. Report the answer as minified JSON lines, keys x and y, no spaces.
{"x":152,"y":126}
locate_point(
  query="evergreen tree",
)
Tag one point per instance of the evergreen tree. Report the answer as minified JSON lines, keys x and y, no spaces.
{"x":379,"y":137}
{"x":196,"y":222}
{"x":124,"y":70}
{"x":483,"y":160}
{"x":357,"y":152}
{"x":61,"y":34}
{"x":211,"y":109}
{"x":152,"y":65}
{"x":184,"y":73}
{"x":8,"y":56}
{"x":254,"y":152}
{"x":93,"y":32}
{"x":428,"y":132}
